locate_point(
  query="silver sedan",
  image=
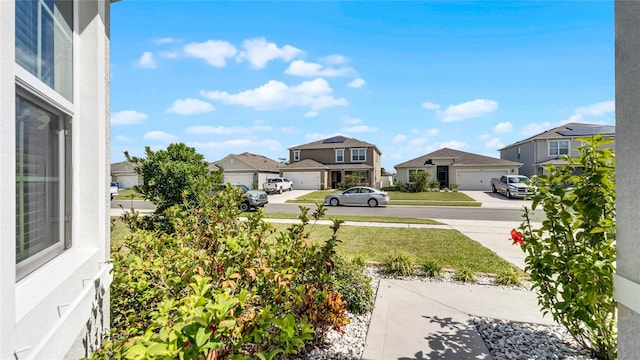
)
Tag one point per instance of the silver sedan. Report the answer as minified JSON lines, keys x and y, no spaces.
{"x":359,"y":195}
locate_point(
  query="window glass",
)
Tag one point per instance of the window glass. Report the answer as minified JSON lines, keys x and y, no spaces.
{"x":44,"y":42}
{"x":358,"y":155}
{"x":339,"y":155}
{"x":296,"y":155}
{"x":41,"y":185}
{"x":412,"y":174}
{"x":557,"y":148}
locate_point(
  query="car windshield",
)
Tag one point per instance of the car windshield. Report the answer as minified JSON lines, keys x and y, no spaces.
{"x":518,"y":179}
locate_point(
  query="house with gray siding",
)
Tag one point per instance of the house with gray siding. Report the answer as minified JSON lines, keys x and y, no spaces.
{"x":547,"y":148}
{"x":247,"y":169}
{"x":323,"y":164}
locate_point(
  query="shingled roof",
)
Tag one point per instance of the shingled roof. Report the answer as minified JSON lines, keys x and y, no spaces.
{"x":461,"y":158}
{"x":570,"y":130}
{"x":258,"y":162}
{"x":334,"y":142}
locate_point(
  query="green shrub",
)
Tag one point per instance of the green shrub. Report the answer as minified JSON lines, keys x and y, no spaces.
{"x":508,"y":276}
{"x":571,"y":257}
{"x":399,"y":264}
{"x":218,"y":287}
{"x":354,"y":286}
{"x":432,"y":268}
{"x":464,"y":275}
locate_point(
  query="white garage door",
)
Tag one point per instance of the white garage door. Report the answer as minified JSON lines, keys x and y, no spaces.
{"x":239,"y":178}
{"x":127,"y":181}
{"x":304,"y":180}
{"x":477,"y":179}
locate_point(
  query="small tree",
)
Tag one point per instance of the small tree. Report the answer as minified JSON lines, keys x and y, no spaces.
{"x":419,"y":181}
{"x":172,"y":176}
{"x":571,"y":257}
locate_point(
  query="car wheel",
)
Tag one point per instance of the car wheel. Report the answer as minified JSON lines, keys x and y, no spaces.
{"x":280,"y":191}
{"x":372,"y":202}
{"x":334,"y":202}
{"x":245,"y":207}
{"x":493,"y":189}
{"x":508,"y":194}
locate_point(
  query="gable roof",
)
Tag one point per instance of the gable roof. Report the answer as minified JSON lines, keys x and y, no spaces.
{"x":569,"y":130}
{"x":335,"y":142}
{"x":123,"y":167}
{"x":258,"y":162}
{"x":461,"y":158}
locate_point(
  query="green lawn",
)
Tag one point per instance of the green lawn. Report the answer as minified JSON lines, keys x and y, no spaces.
{"x":126,"y":194}
{"x":449,"y":247}
{"x":400,"y":198}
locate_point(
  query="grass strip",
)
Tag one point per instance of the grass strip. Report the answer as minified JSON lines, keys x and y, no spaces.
{"x":379,"y":219}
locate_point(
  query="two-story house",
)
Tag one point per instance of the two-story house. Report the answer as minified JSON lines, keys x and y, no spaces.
{"x":548,"y":147}
{"x":54,"y":176}
{"x":323,"y":164}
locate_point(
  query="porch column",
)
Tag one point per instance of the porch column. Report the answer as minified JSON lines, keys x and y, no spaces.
{"x":627,"y":82}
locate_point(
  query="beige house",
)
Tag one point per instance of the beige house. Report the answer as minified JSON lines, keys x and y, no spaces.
{"x":323,"y":164}
{"x":124,"y":173}
{"x":448,"y":166}
{"x":546,"y":148}
{"x":248,"y":169}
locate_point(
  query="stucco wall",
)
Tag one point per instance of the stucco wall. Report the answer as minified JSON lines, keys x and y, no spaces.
{"x":627,"y":17}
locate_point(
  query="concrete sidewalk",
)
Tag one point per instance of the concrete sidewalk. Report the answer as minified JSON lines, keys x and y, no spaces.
{"x":425,"y":320}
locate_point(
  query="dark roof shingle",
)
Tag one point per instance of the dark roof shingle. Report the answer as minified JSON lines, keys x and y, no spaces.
{"x":461,"y":158}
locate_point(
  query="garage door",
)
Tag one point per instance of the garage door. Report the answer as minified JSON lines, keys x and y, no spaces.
{"x":477,"y":179}
{"x":127,"y":181}
{"x":304,"y":180}
{"x":239,"y":178}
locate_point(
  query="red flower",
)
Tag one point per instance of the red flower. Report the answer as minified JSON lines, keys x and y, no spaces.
{"x":517,"y":237}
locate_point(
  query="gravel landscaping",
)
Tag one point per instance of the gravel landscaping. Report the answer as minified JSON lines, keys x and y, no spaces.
{"x":504,"y":339}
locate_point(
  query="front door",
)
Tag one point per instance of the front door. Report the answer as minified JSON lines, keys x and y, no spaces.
{"x":442,"y":175}
{"x":336,"y":178}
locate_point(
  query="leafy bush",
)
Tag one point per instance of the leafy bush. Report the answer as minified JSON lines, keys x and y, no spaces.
{"x":218,"y":287}
{"x":432,"y":268}
{"x":464,"y":275}
{"x":351,"y":181}
{"x":571,"y":257}
{"x":508,"y":276}
{"x":454,"y":187}
{"x":399,"y":264}
{"x":354,"y":286}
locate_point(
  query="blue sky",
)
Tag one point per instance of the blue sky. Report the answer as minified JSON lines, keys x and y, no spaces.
{"x":409,"y":77}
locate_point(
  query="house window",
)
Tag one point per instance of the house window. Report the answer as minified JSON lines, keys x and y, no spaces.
{"x":413,"y":172}
{"x":339,"y":155}
{"x":43,"y":184}
{"x":44,"y":42}
{"x":518,"y":152}
{"x":558,"y":147}
{"x":358,"y":155}
{"x":296,"y":155}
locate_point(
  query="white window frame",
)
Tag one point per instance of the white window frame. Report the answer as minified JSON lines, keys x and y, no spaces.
{"x":558,"y":142}
{"x":64,"y":193}
{"x":339,"y":155}
{"x":356,"y":152}
{"x":296,"y":155}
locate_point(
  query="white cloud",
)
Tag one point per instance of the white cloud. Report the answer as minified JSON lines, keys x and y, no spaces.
{"x":214,"y":52}
{"x":222,"y":130}
{"x":494,"y":143}
{"x":309,"y":69}
{"x":122,"y":138}
{"x":160,"y":136}
{"x":503,"y":127}
{"x":190,"y":107}
{"x":360,"y":129}
{"x":242,"y":144}
{"x":597,"y":109}
{"x":357,"y":83}
{"x":311,"y":114}
{"x":334,"y":59}
{"x":288,"y":130}
{"x":315,"y":94}
{"x":166,"y":40}
{"x":146,"y":61}
{"x":399,"y":138}
{"x":536,"y":128}
{"x":430,"y":106}
{"x":453,"y":144}
{"x":351,"y":121}
{"x":484,"y":137}
{"x":259,"y":52}
{"x":128,"y":117}
{"x":467,"y":110}
{"x":423,"y":136}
